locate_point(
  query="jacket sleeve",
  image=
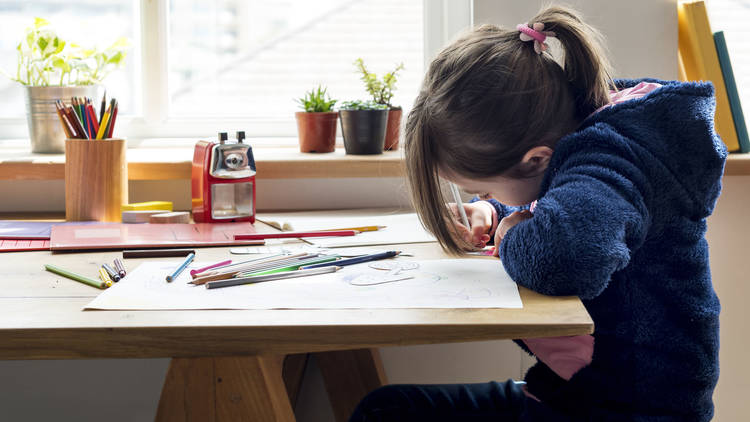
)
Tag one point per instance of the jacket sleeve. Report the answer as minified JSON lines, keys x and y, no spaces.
{"x":585,"y":227}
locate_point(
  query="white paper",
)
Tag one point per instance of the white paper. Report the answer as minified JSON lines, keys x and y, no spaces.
{"x":399,"y":228}
{"x":447,"y":283}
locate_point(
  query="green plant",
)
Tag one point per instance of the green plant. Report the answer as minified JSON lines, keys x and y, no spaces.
{"x":316,"y":101}
{"x":362,"y":105}
{"x":45,"y":59}
{"x":380,"y":90}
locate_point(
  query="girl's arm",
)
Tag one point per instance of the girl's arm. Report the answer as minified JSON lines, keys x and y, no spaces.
{"x":584,"y":228}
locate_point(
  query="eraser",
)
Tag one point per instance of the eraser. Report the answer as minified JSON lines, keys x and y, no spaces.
{"x":132,"y":217}
{"x":179,"y":217}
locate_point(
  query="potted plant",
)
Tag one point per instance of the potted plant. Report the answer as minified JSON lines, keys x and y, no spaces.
{"x":317,"y":123}
{"x":51,"y":68}
{"x":363,"y":125}
{"x":381,"y":91}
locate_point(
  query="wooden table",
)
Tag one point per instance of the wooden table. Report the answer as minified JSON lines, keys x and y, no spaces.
{"x":244,"y":364}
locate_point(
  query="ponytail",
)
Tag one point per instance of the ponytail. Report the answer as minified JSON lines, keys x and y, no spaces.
{"x":585,"y":65}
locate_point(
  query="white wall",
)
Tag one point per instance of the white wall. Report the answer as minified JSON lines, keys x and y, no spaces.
{"x":641,"y":35}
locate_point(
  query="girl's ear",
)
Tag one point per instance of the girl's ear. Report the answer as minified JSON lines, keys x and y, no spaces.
{"x":536,"y":160}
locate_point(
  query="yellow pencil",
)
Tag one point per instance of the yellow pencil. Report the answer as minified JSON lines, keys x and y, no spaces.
{"x":103,"y":125}
{"x":105,"y":277}
{"x":359,"y":229}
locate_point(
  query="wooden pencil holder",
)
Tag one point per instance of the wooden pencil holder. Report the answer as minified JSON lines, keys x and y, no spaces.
{"x":96,"y":179}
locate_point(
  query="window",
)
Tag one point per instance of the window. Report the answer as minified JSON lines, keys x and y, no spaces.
{"x":86,"y":23}
{"x":200,"y":66}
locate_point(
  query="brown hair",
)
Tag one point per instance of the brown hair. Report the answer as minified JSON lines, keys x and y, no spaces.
{"x":488,"y":98}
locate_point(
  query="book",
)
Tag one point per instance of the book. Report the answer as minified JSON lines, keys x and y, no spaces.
{"x":734,"y":97}
{"x":700,"y":62}
{"x":140,"y":236}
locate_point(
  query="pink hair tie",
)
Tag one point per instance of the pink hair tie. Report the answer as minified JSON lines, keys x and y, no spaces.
{"x":536,"y":33}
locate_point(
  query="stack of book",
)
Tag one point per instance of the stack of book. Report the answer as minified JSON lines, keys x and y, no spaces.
{"x":703,"y":56}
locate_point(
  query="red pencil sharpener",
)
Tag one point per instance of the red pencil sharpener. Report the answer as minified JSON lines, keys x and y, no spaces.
{"x":223,"y":181}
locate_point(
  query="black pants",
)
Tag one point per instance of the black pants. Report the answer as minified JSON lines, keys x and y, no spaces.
{"x":490,"y":401}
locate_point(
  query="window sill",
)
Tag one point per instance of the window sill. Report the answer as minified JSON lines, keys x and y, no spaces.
{"x":152,"y":160}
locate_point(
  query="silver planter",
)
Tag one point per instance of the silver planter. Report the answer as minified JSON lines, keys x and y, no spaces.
{"x":45,"y":129}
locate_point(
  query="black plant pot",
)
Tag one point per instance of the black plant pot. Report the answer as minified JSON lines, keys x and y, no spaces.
{"x":363,"y":130}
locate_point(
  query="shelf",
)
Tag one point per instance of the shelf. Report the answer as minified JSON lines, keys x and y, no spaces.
{"x":174,"y":163}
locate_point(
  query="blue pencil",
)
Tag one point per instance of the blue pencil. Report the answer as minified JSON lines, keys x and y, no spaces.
{"x":355,"y":260}
{"x":188,"y":260}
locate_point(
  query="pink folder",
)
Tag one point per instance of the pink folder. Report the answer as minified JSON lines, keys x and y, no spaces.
{"x":142,"y":236}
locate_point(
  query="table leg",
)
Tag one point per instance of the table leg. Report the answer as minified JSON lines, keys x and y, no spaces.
{"x":349,"y":375}
{"x":293,"y":373}
{"x":220,"y":389}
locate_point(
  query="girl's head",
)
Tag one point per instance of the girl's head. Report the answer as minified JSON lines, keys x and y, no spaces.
{"x":491,"y":109}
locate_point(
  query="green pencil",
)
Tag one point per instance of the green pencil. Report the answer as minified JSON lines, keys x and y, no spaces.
{"x":76,"y":277}
{"x":317,"y":260}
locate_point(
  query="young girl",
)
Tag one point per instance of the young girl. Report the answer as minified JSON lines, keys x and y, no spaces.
{"x":623,"y":175}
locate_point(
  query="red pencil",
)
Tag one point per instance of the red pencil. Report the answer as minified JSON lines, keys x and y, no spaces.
{"x":92,"y":115}
{"x":113,"y":119}
{"x":282,"y":235}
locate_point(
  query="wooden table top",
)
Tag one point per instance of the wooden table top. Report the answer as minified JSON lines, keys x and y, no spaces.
{"x":41,"y":318}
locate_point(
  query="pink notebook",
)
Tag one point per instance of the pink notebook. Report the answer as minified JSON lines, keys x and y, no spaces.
{"x":18,"y":245}
{"x":142,"y":236}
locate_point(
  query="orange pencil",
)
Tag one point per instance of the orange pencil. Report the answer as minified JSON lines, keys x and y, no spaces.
{"x":63,"y":120}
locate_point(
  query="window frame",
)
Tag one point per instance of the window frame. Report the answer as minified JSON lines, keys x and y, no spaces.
{"x":442,"y":20}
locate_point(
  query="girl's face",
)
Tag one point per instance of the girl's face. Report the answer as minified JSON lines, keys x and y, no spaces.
{"x":513,"y":191}
{"x":509,"y":191}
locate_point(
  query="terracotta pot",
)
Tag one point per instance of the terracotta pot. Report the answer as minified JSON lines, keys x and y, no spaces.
{"x":364,"y":130}
{"x":317,"y":131}
{"x":393,"y":130}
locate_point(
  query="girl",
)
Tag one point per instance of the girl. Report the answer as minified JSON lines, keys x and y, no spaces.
{"x":624,"y":175}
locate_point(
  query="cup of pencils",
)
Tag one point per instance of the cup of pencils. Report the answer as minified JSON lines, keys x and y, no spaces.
{"x":96,"y":168}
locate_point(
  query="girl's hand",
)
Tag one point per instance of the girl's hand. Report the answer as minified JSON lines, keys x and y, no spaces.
{"x":480,"y":219}
{"x":505,"y":225}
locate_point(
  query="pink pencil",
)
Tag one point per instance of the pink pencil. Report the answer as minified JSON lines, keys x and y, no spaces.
{"x":282,"y":235}
{"x":218,"y":264}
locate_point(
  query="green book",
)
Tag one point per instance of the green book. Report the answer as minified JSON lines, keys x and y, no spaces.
{"x":734,"y":96}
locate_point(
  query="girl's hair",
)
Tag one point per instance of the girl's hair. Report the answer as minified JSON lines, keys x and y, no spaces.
{"x":488,"y":98}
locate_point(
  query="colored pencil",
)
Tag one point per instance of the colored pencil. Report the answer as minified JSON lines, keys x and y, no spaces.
{"x":459,"y":205}
{"x":63,"y":120}
{"x":270,"y":277}
{"x":104,"y":276}
{"x":103,"y":106}
{"x":359,"y":229}
{"x":120,"y":267}
{"x":218,"y":264}
{"x":156,"y":253}
{"x":73,"y":276}
{"x":355,"y":260}
{"x":103,"y":125}
{"x":113,"y":120}
{"x":76,"y":122}
{"x":292,"y":267}
{"x":283,"y":235}
{"x":112,"y":273}
{"x":261,"y":267}
{"x":92,"y":116}
{"x":255,"y":261}
{"x":178,"y":270}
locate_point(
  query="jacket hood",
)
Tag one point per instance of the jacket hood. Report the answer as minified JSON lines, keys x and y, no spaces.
{"x":673,"y":128}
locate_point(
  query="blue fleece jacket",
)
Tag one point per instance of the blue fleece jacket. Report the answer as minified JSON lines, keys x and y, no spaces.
{"x":620,"y":223}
